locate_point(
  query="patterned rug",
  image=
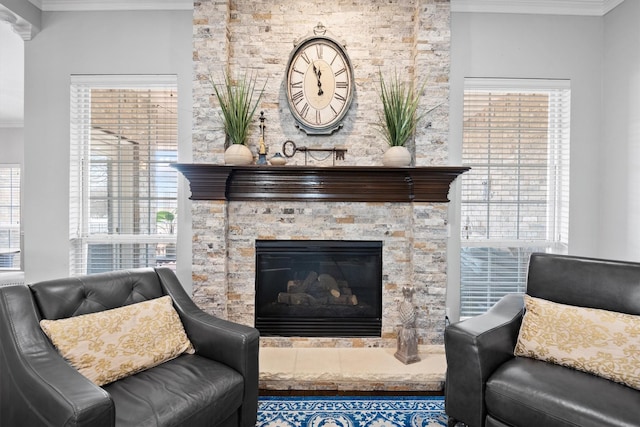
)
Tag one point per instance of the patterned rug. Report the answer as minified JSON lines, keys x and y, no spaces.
{"x":348,"y":411}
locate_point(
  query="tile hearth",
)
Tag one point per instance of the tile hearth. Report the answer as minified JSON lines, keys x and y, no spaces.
{"x":350,"y":369}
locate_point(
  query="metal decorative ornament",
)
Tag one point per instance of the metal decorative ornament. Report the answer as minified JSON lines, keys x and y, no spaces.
{"x":319,"y":83}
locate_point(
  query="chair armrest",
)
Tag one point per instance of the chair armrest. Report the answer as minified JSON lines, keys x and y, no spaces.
{"x":474,"y":349}
{"x":38,"y":386}
{"x":230,"y":343}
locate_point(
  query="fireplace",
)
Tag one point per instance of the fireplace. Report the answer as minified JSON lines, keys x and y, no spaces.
{"x":404,"y":208}
{"x":318,"y":288}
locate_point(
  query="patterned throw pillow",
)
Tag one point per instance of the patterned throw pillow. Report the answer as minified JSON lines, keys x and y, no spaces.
{"x":603,"y":343}
{"x":112,"y":344}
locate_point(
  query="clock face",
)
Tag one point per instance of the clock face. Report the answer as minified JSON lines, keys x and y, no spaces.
{"x":319,"y":85}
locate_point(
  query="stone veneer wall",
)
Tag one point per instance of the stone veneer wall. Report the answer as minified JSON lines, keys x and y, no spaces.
{"x":238,"y":36}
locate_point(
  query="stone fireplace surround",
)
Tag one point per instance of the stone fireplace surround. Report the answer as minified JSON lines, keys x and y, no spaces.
{"x":256,"y":36}
{"x":414,"y":236}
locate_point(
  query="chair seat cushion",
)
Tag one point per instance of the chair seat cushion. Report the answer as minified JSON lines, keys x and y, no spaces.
{"x":187,"y":391}
{"x":532,"y":393}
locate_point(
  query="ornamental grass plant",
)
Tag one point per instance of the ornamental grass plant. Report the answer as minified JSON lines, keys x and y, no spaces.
{"x":400,"y":114}
{"x":239,"y":101}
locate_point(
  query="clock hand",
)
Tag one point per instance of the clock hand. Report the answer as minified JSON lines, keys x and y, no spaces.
{"x":318,"y":73}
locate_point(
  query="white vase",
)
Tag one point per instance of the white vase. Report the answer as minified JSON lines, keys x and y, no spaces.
{"x":396,"y":156}
{"x":278,"y":160}
{"x":238,"y":154}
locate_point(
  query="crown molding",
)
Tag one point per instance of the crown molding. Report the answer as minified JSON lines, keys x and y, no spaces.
{"x":105,"y":5}
{"x":552,"y":7}
{"x":544,"y":7}
{"x":610,"y":4}
{"x":21,"y":27}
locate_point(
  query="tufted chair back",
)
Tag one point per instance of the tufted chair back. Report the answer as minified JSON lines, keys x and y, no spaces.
{"x":585,"y":282}
{"x":62,"y":298}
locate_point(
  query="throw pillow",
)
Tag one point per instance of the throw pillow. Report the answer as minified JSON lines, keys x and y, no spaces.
{"x":112,"y":344}
{"x":603,"y":343}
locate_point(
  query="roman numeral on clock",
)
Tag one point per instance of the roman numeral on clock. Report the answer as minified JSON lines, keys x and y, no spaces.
{"x":297,"y":97}
{"x":305,"y":110}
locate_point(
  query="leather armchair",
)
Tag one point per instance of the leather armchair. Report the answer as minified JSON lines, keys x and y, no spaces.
{"x":486,"y":385}
{"x":216,"y":386}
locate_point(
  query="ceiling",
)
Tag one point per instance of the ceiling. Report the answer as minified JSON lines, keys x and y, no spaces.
{"x":12,"y":44}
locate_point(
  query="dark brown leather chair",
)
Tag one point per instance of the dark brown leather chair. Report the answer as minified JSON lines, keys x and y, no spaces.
{"x":216,"y":386}
{"x":487,"y":386}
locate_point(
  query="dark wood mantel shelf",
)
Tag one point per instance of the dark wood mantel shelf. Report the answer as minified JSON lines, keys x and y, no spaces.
{"x":334,"y":184}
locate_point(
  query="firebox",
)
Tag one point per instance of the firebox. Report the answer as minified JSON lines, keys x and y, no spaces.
{"x":318,"y":288}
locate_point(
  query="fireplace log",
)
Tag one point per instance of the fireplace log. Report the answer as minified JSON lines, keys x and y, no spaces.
{"x":307,"y":299}
{"x":284,"y":298}
{"x":318,"y":289}
{"x":344,"y":300}
{"x":311,"y":277}
{"x":296,"y":287}
{"x":330,"y":284}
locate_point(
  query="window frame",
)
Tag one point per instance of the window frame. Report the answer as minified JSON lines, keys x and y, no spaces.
{"x":557,"y":197}
{"x":81,"y":236}
{"x":10,"y":253}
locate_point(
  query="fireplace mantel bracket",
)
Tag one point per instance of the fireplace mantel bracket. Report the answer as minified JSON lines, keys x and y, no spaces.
{"x":331,"y":184}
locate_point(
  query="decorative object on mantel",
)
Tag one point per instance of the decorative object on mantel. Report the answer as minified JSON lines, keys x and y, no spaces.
{"x":399,"y":118}
{"x":328,"y":184}
{"x":238,"y":106}
{"x":407,"y":348}
{"x":319,"y":82}
{"x":397,"y":156}
{"x":289,"y":149}
{"x":238,"y":154}
{"x":262,"y":150}
{"x":278,"y":160}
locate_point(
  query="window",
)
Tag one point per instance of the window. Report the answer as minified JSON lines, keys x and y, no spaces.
{"x":123,"y":191}
{"x":9,"y":217}
{"x":515,"y":198}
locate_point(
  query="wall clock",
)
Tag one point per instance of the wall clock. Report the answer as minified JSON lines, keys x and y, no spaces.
{"x":319,"y":83}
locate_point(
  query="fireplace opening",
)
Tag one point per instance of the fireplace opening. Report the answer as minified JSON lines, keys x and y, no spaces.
{"x":318,"y":288}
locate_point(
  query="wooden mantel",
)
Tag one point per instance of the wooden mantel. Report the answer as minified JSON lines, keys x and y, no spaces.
{"x":333,"y":184}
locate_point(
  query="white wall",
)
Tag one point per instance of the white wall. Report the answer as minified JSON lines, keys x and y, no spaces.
{"x":90,"y":43}
{"x":11,"y":143}
{"x":619,"y":153}
{"x":535,"y":46}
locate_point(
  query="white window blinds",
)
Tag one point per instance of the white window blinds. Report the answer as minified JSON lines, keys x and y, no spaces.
{"x":515,"y":198}
{"x":9,"y":217}
{"x":123,"y":191}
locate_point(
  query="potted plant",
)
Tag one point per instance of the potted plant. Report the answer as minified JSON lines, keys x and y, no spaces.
{"x":238,"y":101}
{"x":399,"y":118}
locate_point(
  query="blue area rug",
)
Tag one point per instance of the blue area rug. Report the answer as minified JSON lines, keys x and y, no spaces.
{"x":349,"y":411}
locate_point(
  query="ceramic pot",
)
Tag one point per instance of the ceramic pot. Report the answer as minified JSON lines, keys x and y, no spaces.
{"x":238,"y":154}
{"x":397,"y":156}
{"x":278,"y":160}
